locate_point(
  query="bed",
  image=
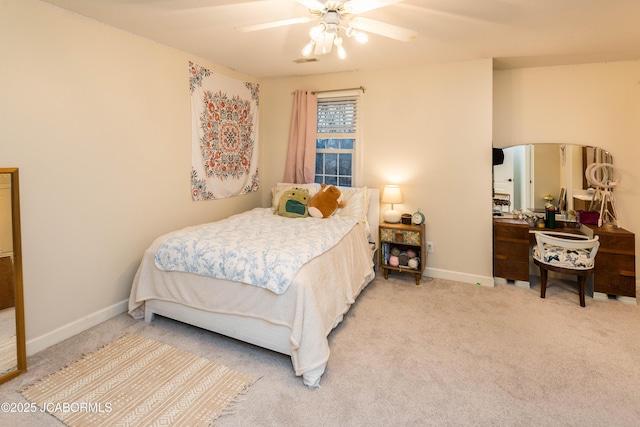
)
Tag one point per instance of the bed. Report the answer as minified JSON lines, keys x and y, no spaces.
{"x":295,"y":319}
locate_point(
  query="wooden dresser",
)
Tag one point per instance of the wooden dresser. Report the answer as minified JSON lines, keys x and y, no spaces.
{"x":511,"y":249}
{"x":615,"y":272}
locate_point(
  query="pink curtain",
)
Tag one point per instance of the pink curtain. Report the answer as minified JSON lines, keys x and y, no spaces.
{"x":301,"y":155}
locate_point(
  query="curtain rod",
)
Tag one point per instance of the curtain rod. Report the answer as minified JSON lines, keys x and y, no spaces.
{"x":315,"y":92}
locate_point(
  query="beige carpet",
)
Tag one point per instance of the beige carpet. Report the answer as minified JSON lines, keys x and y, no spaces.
{"x":442,"y":354}
{"x":138,"y":381}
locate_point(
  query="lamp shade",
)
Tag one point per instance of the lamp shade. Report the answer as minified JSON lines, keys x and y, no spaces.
{"x":391,"y":194}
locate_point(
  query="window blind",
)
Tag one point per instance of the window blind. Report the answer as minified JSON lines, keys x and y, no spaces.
{"x":337,"y":115}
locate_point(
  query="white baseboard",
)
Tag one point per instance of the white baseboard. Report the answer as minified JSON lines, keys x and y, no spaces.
{"x":38,"y":344}
{"x":624,"y":300}
{"x":437,"y":273}
{"x":600,"y":296}
{"x":627,"y":300}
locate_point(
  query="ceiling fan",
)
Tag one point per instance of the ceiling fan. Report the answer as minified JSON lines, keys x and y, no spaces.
{"x":336,"y":16}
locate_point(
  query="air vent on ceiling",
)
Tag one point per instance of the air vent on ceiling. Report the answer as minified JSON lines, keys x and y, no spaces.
{"x":305,"y":60}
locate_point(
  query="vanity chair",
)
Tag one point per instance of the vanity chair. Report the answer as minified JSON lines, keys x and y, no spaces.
{"x":565,"y":253}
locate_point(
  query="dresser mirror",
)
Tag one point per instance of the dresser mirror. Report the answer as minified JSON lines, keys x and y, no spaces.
{"x":530,"y":176}
{"x":13,"y":359}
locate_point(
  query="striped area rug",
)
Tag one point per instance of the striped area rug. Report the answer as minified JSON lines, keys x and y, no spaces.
{"x":135,"y":381}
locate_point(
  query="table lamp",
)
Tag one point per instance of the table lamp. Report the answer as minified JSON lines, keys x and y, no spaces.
{"x":391,"y":194}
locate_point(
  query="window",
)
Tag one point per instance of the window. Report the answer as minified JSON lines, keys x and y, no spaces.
{"x":336,"y":140}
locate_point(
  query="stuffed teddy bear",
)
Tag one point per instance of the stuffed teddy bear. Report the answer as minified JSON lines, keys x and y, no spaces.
{"x":325,"y":202}
{"x":293,"y":203}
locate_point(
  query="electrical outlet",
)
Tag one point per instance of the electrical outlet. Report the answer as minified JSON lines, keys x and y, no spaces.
{"x":429,"y":246}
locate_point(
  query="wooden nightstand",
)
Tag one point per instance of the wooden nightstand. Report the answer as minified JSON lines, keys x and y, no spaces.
{"x":407,"y":240}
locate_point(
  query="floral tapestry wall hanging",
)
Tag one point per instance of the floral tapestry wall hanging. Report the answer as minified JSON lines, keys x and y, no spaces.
{"x":224,"y":128}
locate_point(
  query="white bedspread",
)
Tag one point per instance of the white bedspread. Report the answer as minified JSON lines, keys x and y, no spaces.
{"x":255,"y":247}
{"x":319,"y":295}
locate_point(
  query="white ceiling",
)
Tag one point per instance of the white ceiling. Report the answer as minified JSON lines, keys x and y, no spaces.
{"x":516,"y":33}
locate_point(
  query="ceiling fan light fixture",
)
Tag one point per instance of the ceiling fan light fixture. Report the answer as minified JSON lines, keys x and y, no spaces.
{"x":308,"y":48}
{"x":358,"y":35}
{"x":331,"y":28}
{"x":323,"y":37}
{"x":324,"y":42}
{"x":331,"y":17}
{"x":342,"y":53}
{"x":317,"y":30}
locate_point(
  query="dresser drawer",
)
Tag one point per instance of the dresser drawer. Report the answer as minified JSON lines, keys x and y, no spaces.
{"x":511,"y":249}
{"x":511,"y":270}
{"x":510,"y":232}
{"x":515,"y":251}
{"x":615,"y":274}
{"x":400,"y":236}
{"x":615,"y":284}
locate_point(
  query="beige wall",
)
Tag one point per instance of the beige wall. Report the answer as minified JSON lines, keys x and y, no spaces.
{"x":427,"y":129}
{"x":546,"y":173}
{"x":98,"y":122}
{"x":592,"y":104}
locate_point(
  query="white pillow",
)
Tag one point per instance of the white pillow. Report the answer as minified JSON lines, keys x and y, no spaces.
{"x":278,"y":190}
{"x":356,"y":205}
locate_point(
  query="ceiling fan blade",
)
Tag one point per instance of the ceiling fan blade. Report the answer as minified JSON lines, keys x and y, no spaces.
{"x":275,"y":24}
{"x":361,"y":6}
{"x":312,"y":4}
{"x":383,"y":29}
